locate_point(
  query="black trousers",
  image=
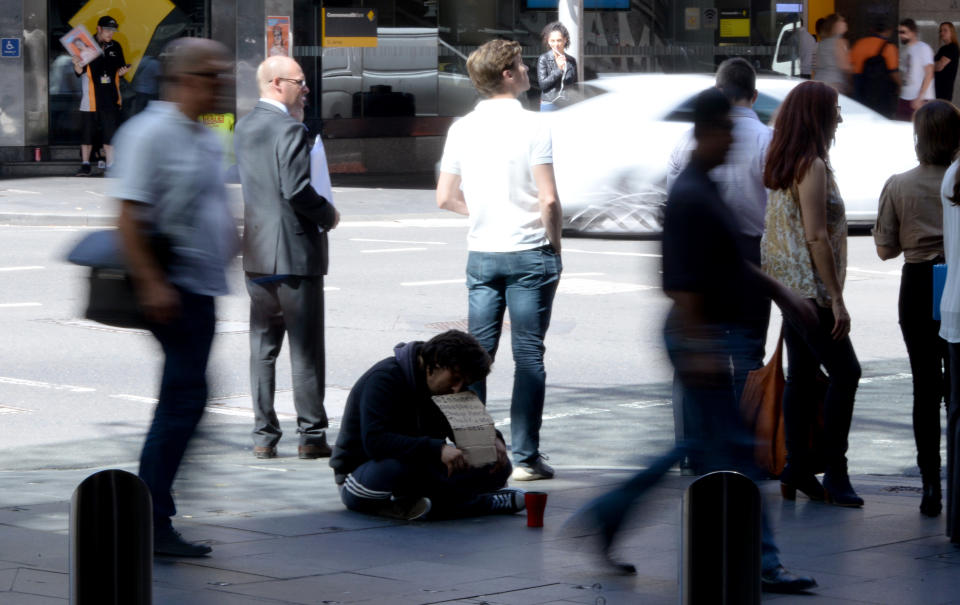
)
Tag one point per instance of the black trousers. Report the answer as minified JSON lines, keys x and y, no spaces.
{"x":928,"y":361}
{"x":186,"y":343}
{"x":805,"y":354}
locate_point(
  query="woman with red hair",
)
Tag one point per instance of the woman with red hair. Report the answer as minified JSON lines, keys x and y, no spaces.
{"x":804,"y":246}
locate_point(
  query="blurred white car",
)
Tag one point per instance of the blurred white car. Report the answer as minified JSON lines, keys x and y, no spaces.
{"x":611,"y":149}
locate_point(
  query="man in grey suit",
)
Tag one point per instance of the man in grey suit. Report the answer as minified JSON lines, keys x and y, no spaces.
{"x":284,"y":257}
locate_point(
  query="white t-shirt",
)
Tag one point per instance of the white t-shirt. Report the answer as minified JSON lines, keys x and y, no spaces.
{"x":494,"y":149}
{"x":913,"y":59}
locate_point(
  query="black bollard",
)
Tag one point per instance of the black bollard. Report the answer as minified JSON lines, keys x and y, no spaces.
{"x":111,"y":541}
{"x":721,"y":541}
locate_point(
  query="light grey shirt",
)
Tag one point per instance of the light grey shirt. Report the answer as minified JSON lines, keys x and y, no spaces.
{"x":807,"y":47}
{"x":740,"y":178}
{"x":173,"y":167}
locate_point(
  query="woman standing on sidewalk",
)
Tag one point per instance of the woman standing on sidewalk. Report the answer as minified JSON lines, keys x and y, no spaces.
{"x":556,"y":70}
{"x":804,"y":246}
{"x":910,"y":220}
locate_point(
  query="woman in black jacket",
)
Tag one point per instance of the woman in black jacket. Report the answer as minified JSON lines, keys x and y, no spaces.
{"x":556,"y":70}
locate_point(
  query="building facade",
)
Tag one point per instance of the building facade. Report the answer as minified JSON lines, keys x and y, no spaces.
{"x":387,"y":108}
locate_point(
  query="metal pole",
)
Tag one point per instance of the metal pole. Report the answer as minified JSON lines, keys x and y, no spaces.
{"x":571,"y":16}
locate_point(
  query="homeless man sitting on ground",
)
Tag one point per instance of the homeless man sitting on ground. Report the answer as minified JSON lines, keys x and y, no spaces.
{"x":392,"y":457}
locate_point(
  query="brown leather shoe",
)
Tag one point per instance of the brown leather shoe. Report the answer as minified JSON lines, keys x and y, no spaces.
{"x":312,"y":452}
{"x":265,"y":451}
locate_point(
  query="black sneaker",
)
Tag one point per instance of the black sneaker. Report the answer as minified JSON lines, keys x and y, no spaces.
{"x":84,"y":170}
{"x":168,"y":541}
{"x":405,"y":509}
{"x":506,"y":501}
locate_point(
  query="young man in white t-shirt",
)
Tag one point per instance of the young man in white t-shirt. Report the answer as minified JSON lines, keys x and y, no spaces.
{"x":497,"y":168}
{"x":916,"y":65}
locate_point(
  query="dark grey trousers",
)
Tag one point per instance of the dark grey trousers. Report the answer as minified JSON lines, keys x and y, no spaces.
{"x":291,"y":305}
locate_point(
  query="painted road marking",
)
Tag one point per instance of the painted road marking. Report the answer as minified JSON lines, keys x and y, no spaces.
{"x":558,"y":415}
{"x":19,"y":305}
{"x":643,"y":254}
{"x":596,"y":287}
{"x":859,"y":270}
{"x":24,"y":268}
{"x":428,"y":223}
{"x":642,"y":405}
{"x":393,"y":250}
{"x":45,"y":385}
{"x":135,"y":398}
{"x":9,"y":409}
{"x":394,"y":241}
{"x":22,"y":191}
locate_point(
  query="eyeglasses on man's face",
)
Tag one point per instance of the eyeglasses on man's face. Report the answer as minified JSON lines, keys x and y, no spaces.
{"x":300,"y":83}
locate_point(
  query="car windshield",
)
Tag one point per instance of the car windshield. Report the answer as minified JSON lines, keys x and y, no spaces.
{"x":766,"y":108}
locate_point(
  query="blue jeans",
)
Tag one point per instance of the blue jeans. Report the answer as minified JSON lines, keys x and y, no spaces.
{"x":523,"y":283}
{"x":186,"y":345}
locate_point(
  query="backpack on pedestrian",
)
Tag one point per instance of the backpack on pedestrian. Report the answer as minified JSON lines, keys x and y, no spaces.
{"x":875,"y":88}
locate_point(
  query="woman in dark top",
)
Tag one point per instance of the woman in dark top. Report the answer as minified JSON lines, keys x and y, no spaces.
{"x":556,"y":70}
{"x":945,"y":63}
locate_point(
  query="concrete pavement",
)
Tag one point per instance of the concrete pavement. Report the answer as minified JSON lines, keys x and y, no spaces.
{"x":280,"y":534}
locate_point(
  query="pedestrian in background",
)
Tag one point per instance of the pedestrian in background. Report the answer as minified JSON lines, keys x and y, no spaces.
{"x":101,"y":101}
{"x":804,"y":246}
{"x":945,"y":62}
{"x":916,"y":69}
{"x":875,"y":63}
{"x":556,"y":70}
{"x":497,"y":168}
{"x":806,"y":49}
{"x":710,"y":284}
{"x":284,"y":257}
{"x":950,"y":331}
{"x":833,"y":54}
{"x":910,"y":220}
{"x":170,"y":182}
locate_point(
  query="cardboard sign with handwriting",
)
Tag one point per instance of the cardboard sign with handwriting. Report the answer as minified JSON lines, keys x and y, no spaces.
{"x":472,"y":426}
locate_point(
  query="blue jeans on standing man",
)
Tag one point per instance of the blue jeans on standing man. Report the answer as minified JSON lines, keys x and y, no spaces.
{"x":186,"y":343}
{"x":523,"y":283}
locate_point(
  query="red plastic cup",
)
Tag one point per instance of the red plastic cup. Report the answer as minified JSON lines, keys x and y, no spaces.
{"x":536,"y":502}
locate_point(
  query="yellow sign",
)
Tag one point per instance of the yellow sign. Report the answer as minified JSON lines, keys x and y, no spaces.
{"x":734,"y":28}
{"x":138,"y":19}
{"x":348,"y":28}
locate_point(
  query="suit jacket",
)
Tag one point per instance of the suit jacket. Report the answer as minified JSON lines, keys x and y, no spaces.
{"x":282,"y":213}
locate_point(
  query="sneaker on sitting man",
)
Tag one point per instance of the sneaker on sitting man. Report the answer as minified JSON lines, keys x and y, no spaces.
{"x":504,"y":501}
{"x":534,"y":471}
{"x":405,"y":509}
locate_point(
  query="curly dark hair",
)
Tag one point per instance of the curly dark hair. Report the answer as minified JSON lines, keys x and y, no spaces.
{"x":556,"y":26}
{"x":457,"y":351}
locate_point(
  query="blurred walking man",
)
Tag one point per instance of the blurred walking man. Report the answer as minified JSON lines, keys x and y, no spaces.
{"x":284,"y":257}
{"x":502,"y":157}
{"x":740,"y":182}
{"x":708,"y":280}
{"x":170,"y":182}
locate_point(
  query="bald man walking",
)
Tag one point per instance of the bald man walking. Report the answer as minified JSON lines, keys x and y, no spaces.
{"x":284,"y":257}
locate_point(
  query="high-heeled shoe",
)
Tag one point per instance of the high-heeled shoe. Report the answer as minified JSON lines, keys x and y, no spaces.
{"x":792,"y":480}
{"x":839,"y":491}
{"x":930,"y":504}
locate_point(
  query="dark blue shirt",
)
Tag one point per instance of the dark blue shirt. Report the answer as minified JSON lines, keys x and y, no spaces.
{"x":701,"y":248}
